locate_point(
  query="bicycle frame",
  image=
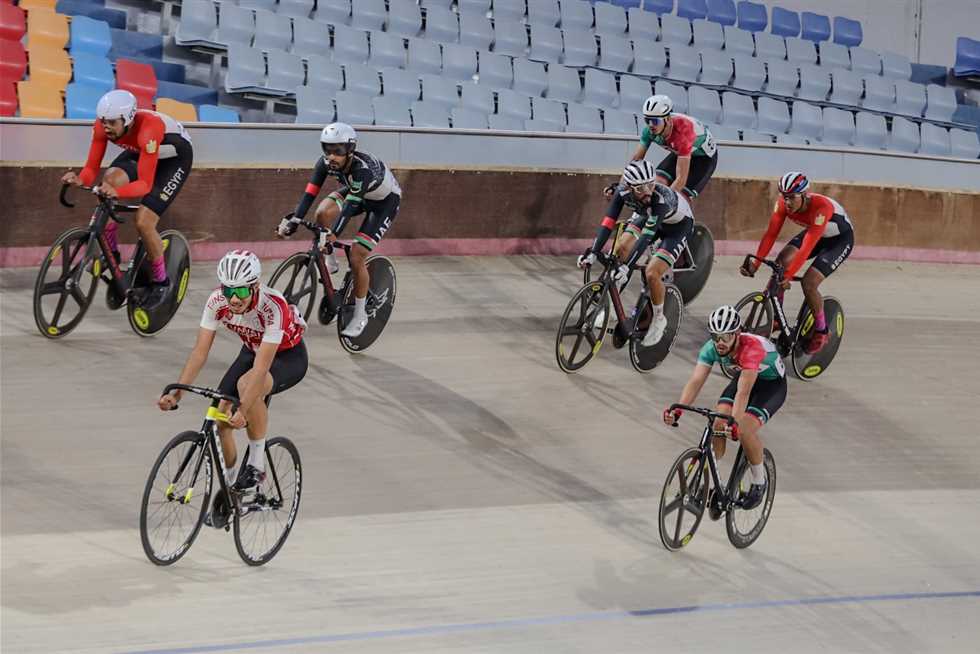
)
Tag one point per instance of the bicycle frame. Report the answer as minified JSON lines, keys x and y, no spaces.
{"x":771,"y":295}
{"x":614,"y":289}
{"x":316,"y":253}
{"x":723,"y":492}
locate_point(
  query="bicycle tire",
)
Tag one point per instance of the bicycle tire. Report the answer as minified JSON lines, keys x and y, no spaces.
{"x":692,"y":465}
{"x":197,"y":440}
{"x":298,"y":266}
{"x":74,"y":259}
{"x":702,"y":247}
{"x":177,"y":256}
{"x":757,"y":320}
{"x":273,"y":471}
{"x":380,"y":302}
{"x":587,"y":296}
{"x":808,"y":367}
{"x":645,"y":359}
{"x":739,"y":538}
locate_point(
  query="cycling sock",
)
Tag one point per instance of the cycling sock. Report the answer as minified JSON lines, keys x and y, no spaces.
{"x":658,"y":309}
{"x":256,"y":454}
{"x":159,"y":270}
{"x":820,"y":322}
{"x":230,"y":475}
{"x":360,"y":306}
{"x":111,"y":236}
{"x":758,"y":473}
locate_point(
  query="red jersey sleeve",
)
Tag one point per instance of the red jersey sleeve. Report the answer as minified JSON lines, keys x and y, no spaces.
{"x":751,"y":355}
{"x":772,"y":231}
{"x":683,"y":137}
{"x":95,"y":153}
{"x":820,"y":213}
{"x":149,"y":138}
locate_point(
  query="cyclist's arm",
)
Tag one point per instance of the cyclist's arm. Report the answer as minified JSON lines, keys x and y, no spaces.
{"x":641,"y":152}
{"x":95,"y":153}
{"x":772,"y":231}
{"x":608,"y":223}
{"x":149,"y":140}
{"x":264,"y":355}
{"x":693,"y":386}
{"x":683,"y":170}
{"x":354,"y":200}
{"x":683,"y":140}
{"x":746,"y":380}
{"x":813,"y":235}
{"x":197,"y":358}
{"x":649,"y":233}
{"x":317,"y":179}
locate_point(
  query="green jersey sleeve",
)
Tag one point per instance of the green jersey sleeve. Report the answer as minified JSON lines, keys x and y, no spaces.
{"x":708,"y":354}
{"x":646,"y":138}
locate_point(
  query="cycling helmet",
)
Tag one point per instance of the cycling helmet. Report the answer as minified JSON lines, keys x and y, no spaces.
{"x":339,"y":133}
{"x":639,"y":172}
{"x":239,"y":268}
{"x":117,"y":104}
{"x":724,"y":320}
{"x":793,"y":182}
{"x":658,"y":106}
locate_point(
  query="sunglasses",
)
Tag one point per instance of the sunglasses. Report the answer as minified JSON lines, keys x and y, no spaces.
{"x":338,"y":150}
{"x":724,"y":339}
{"x":241,"y":292}
{"x":654,"y":122}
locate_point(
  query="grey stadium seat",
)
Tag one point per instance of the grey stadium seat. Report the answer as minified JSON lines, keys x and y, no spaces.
{"x":750,"y":73}
{"x":530,"y":77}
{"x":814,"y":82}
{"x":704,"y":104}
{"x":834,"y":55}
{"x":964,"y":143}
{"x":576,"y":14}
{"x":677,"y":93}
{"x":198,"y":22}
{"x":424,"y":57}
{"x":935,"y":140}
{"x":716,"y":68}
{"x":847,"y":87}
{"x":477,"y":96}
{"x":322,"y":73}
{"x":610,"y":20}
{"x":904,"y":136}
{"x":600,"y":88}
{"x":362,"y":80}
{"x":509,"y":9}
{"x":506,"y":123}
{"x":940,"y":102}
{"x":675,"y":30}
{"x":354,"y":108}
{"x":838,"y":126}
{"x":615,"y":53}
{"x":739,"y":41}
{"x":475,"y":31}
{"x":405,"y":18}
{"x":458,"y":61}
{"x":335,"y":12}
{"x":738,"y":110}
{"x":368,"y":14}
{"x":543,"y":12}
{"x":895,"y":66}
{"x":235,"y":25}
{"x":773,"y":116}
{"x":649,"y":59}
{"x":708,"y":35}
{"x":724,"y":133}
{"x":441,"y":25}
{"x":879,"y":93}
{"x":246,"y":68}
{"x":801,"y":51}
{"x":314,"y":106}
{"x":807,"y":120}
{"x":782,"y":77}
{"x":387,"y":50}
{"x":400,"y":84}
{"x":643,"y":25}
{"x":469,"y":118}
{"x":474,"y":6}
{"x":285,"y":71}
{"x":350,"y":45}
{"x":910,"y":98}
{"x":685,"y":63}
{"x":437,"y":90}
{"x":619,"y":122}
{"x":864,"y":61}
{"x":580,"y":48}
{"x":751,"y":136}
{"x":546,"y":44}
{"x":769,"y":46}
{"x":390,"y":112}
{"x":583,"y":119}
{"x":512,"y":103}
{"x":295,"y":8}
{"x":510,"y":37}
{"x":563,"y":83}
{"x":427,"y":114}
{"x":535,"y":125}
{"x":496,"y":70}
{"x":870,"y":131}
{"x":793,"y":139}
{"x":310,"y":37}
{"x":272,"y":31}
{"x":548,"y":110}
{"x":633,"y":91}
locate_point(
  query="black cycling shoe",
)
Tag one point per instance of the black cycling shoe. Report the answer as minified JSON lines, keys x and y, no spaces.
{"x":326,"y":312}
{"x":752,"y":499}
{"x":714,"y":508}
{"x":249,"y":479}
{"x":220,"y":511}
{"x":155,"y":295}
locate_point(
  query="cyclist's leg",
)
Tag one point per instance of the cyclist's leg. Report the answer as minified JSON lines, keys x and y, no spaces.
{"x":229,"y":386}
{"x":766,"y":398}
{"x":169,"y":180}
{"x":626,"y":240}
{"x":673,"y":240}
{"x":667,"y":169}
{"x":377,"y":222}
{"x":702,"y":168}
{"x":725,"y":402}
{"x":829,"y":254}
{"x":120,"y":172}
{"x":329,"y":208}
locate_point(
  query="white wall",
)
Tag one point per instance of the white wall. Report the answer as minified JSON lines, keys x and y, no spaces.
{"x":943,"y":21}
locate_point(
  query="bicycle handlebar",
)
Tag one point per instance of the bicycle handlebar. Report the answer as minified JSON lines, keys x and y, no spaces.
{"x":319,"y":229}
{"x":707,"y":413}
{"x":209,"y":393}
{"x":113,"y":204}
{"x":777,"y":268}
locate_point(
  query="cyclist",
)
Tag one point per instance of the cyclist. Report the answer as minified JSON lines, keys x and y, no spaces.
{"x":757,"y":391}
{"x":657,"y":212}
{"x":155,"y":162}
{"x":272,"y":359}
{"x":368,"y":187}
{"x":828,"y":238}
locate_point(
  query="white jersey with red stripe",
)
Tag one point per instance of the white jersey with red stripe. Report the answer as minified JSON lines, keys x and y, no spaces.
{"x":270,"y":320}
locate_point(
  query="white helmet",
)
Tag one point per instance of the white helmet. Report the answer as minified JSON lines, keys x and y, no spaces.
{"x":658,"y":106}
{"x":239,"y":268}
{"x":117,"y":104}
{"x":724,"y":320}
{"x":639,"y":172}
{"x":339,"y":133}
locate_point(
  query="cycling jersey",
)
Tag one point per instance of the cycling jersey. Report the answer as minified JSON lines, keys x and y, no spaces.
{"x":752,"y":352}
{"x":152,"y":136}
{"x":666,"y":208}
{"x":270,"y":319}
{"x":823,"y":218}
{"x":688,"y":137}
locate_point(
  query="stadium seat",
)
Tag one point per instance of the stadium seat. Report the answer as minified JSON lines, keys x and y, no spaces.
{"x":785,"y":22}
{"x":313,"y":106}
{"x":441,"y":25}
{"x":864,"y":61}
{"x":910,"y":98}
{"x":814,"y":83}
{"x":458,"y":62}
{"x":295,"y":8}
{"x":474,"y":6}
{"x":272,"y":31}
{"x":580,"y":48}
{"x":424,"y":57}
{"x":609,"y":20}
{"x":895,"y":66}
{"x":583,"y":120}
{"x":716,"y":68}
{"x":563,"y":83}
{"x":543,"y":12}
{"x":934,"y":140}
{"x":708,"y":35}
{"x":13,"y":61}
{"x":600,"y":88}
{"x":529,"y":76}
{"x":940,"y":103}
{"x":692,"y":9}
{"x":39,"y":100}
{"x":354,"y":108}
{"x":834,"y":55}
{"x":263,"y":5}
{"x":655,"y":6}
{"x":510,"y":37}
{"x":752,"y":136}
{"x":677,"y":93}
{"x":619,"y":122}
{"x":477,"y":96}
{"x":506,"y":123}
{"x":879,"y":93}
{"x":814,"y":27}
{"x":285,"y":71}
{"x":13,"y":26}
{"x":575,"y":14}
{"x":800,"y":51}
{"x":615,"y":53}
{"x":537,"y":125}
{"x":704,"y":104}
{"x":468,"y":118}
{"x":50,"y":66}
{"x":509,"y":9}
{"x":90,"y":36}
{"x":967,"y":58}
{"x":649,"y":59}
{"x":870,"y":131}
{"x":643,"y":25}
{"x":400,"y":84}
{"x":405,"y":18}
{"x":246,"y":69}
{"x":847,"y":87}
{"x":807,"y":120}
{"x":235,"y":25}
{"x":95,"y":71}
{"x":47,"y":29}
{"x":368,"y":14}
{"x":361,"y":79}
{"x":439,"y":91}
{"x":546,"y":44}
{"x":324,"y":74}
{"x":838,"y":127}
{"x":387,"y":50}
{"x":633,"y":91}
{"x":475,"y":31}
{"x":847,"y":32}
{"x":425,"y":114}
{"x":793,"y":139}
{"x":350,"y":45}
{"x":310,"y":37}
{"x":81,"y":100}
{"x":750,"y":73}
{"x":769,"y":46}
{"x":723,"y":132}
{"x":335,"y":12}
{"x":95,"y":10}
{"x":738,"y":110}
{"x":783,"y":78}
{"x":512,"y":103}
{"x":773,"y":116}
{"x":739,"y":41}
{"x":496,"y":70}
{"x":752,"y":16}
{"x":131,"y":45}
{"x":685,"y":63}
{"x":180,"y":111}
{"x":8,"y":98}
{"x":551,"y":111}
{"x":675,"y":30}
{"x":191,"y":93}
{"x":964,"y":143}
{"x":904,"y":135}
{"x":391,"y":112}
{"x":722,"y":12}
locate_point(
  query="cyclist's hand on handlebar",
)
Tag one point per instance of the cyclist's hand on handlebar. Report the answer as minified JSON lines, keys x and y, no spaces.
{"x":725,"y":430}
{"x":71,"y":178}
{"x":287,"y":226}
{"x":785,"y":284}
{"x":622,"y":272}
{"x":610,"y":191}
{"x":587,"y":258}
{"x":671,"y":418}
{"x":747,"y":270}
{"x":168,"y":402}
{"x":237,"y":421}
{"x":106,"y":190}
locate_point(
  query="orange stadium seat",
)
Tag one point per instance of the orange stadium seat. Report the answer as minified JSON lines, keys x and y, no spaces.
{"x":46,"y":28}
{"x":40,"y":100}
{"x":38,"y":4}
{"x":182,"y":111}
{"x":13,"y":60}
{"x":51,"y":67}
{"x":8,"y":98}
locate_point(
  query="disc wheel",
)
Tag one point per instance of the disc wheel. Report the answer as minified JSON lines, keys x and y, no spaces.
{"x":379,"y":305}
{"x":175,"y":498}
{"x":65,"y":284}
{"x":297,"y":278}
{"x":700,"y":248}
{"x":582,"y":327}
{"x":684,"y":499}
{"x":744,"y":527}
{"x":810,"y":366}
{"x":265,"y":515}
{"x":645,"y":359}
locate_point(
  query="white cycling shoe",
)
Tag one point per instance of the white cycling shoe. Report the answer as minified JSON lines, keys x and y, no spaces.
{"x":355,"y":327}
{"x":656,"y":331}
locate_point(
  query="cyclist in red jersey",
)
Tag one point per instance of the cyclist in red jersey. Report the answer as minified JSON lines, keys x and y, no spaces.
{"x":828,"y":238}
{"x":273,"y":357}
{"x":156,"y":160}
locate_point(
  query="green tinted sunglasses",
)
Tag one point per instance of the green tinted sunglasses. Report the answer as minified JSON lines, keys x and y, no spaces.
{"x":241,"y":292}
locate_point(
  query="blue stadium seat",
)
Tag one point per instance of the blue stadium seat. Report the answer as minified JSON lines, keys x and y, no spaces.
{"x":94,"y":70}
{"x":967,"y":57}
{"x":88,"y":35}
{"x":165,"y":70}
{"x":190,"y":93}
{"x":752,"y":16}
{"x":814,"y":27}
{"x":847,"y":32}
{"x":81,"y":99}
{"x":785,"y":22}
{"x":722,"y":12}
{"x":738,"y":110}
{"x":135,"y":44}
{"x":649,"y":59}
{"x":692,"y":9}
{"x":96,"y":11}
